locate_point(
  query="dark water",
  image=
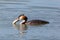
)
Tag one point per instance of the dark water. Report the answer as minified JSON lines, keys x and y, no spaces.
{"x":48,"y":10}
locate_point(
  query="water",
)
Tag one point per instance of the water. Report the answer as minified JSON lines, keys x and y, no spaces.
{"x":48,"y":10}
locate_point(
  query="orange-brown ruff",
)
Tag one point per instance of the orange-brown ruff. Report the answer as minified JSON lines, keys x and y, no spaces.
{"x":31,"y":22}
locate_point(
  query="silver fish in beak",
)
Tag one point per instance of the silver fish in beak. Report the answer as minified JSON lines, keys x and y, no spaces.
{"x":16,"y":20}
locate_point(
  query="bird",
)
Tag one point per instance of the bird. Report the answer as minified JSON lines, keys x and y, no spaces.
{"x":24,"y":20}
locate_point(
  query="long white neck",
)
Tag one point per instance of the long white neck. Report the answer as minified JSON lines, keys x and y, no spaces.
{"x":22,"y":21}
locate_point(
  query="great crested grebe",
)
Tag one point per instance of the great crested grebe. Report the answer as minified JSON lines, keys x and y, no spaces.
{"x":31,"y":22}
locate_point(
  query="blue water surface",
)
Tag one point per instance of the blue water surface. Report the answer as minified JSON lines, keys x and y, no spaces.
{"x":48,"y":10}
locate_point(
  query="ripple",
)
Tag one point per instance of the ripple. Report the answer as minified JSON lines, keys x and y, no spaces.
{"x":13,"y":2}
{"x":41,"y":7}
{"x":14,"y":9}
{"x":16,"y":0}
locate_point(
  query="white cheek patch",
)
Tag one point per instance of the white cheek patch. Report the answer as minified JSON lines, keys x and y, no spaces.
{"x":22,"y":21}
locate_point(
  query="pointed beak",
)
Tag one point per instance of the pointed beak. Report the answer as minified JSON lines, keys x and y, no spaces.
{"x":16,"y":20}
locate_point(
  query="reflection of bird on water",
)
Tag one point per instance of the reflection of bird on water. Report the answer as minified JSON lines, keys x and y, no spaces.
{"x":22,"y":27}
{"x":31,"y":22}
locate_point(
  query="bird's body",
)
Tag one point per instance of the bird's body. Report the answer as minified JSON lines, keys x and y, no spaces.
{"x":31,"y":22}
{"x":37,"y":22}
